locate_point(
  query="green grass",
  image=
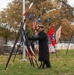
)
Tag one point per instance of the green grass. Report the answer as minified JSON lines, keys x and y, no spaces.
{"x":63,"y":65}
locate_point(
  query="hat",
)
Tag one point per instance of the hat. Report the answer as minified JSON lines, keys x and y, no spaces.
{"x":41,"y":26}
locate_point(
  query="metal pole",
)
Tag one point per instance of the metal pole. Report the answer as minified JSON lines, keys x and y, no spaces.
{"x":23,"y":17}
{"x":23,"y":9}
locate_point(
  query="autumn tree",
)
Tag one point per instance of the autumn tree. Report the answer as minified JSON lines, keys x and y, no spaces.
{"x":46,"y":9}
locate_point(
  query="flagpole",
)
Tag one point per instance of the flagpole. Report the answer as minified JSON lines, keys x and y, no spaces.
{"x":23,"y":18}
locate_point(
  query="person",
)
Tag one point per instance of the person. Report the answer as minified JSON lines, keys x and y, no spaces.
{"x":36,"y":42}
{"x":43,"y":47}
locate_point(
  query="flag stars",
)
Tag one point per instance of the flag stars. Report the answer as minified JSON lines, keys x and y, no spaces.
{"x":53,"y":36}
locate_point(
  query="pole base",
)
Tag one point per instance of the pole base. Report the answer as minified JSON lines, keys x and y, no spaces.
{"x":24,"y":59}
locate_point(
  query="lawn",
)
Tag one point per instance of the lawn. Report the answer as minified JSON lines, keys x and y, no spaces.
{"x":63,"y":65}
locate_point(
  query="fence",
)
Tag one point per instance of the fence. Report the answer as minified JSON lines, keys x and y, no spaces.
{"x":6,"y":48}
{"x":64,"y":46}
{"x":59,"y":46}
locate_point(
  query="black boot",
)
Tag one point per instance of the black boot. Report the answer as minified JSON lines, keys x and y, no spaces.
{"x":43,"y":64}
{"x":48,"y":65}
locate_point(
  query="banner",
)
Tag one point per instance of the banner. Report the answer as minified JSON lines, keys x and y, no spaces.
{"x":58,"y":34}
{"x":31,"y":16}
{"x":34,"y":26}
{"x":51,"y":34}
{"x":39,"y":20}
{"x":24,"y":14}
{"x":30,"y":5}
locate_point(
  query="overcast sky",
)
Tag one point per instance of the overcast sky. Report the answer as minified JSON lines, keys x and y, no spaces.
{"x":71,"y":2}
{"x":3,"y":3}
